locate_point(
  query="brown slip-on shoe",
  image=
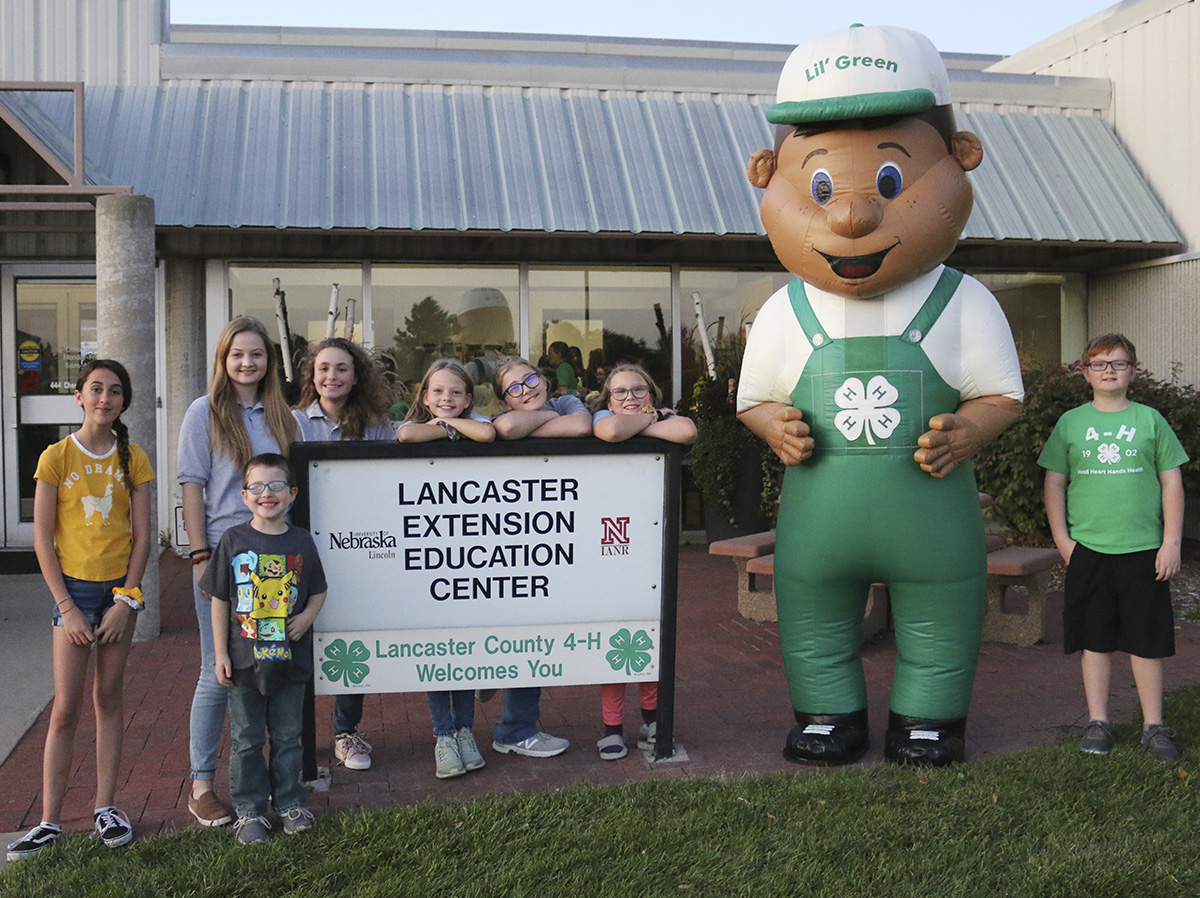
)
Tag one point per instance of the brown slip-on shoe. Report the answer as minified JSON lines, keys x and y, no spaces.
{"x":210,"y":810}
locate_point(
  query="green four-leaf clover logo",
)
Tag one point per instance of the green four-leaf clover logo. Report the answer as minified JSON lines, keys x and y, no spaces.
{"x":347,"y":664}
{"x":629,"y":651}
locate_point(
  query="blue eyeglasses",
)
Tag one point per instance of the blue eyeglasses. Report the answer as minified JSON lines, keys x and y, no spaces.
{"x":529,"y":383}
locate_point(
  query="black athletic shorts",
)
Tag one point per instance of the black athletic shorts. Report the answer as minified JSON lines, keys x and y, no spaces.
{"x":1113,"y":603}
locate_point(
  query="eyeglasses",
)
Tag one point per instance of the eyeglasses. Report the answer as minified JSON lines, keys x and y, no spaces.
{"x":622,"y":393}
{"x":529,"y":383}
{"x":275,"y":486}
{"x":1118,"y":365}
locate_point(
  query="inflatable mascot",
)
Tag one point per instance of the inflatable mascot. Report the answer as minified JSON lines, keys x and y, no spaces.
{"x":875,"y":375}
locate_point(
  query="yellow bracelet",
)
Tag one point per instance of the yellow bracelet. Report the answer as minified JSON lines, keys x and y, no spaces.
{"x":135,"y":594}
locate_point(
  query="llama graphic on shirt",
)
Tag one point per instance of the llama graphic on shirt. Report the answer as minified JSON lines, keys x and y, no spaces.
{"x":97,"y":505}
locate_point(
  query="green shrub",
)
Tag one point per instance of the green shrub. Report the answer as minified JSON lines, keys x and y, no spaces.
{"x":1007,"y":468}
{"x":724,"y":445}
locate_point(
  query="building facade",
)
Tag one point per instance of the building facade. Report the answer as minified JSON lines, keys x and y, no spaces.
{"x":478,"y":195}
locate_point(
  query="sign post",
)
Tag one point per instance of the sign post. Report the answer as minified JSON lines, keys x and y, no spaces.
{"x":466,"y":566}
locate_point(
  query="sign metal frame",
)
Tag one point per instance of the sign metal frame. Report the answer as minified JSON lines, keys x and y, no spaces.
{"x":668,"y":455}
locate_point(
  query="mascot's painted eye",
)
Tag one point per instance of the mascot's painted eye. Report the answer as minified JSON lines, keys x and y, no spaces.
{"x":889,"y":181}
{"x":822,"y":186}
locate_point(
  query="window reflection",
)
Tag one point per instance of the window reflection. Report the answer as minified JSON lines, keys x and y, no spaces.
{"x":307,"y":290}
{"x":584,"y":321}
{"x":423,"y":313}
{"x":729,"y":300}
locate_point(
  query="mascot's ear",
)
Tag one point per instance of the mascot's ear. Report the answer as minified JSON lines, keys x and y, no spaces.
{"x":762,"y":167}
{"x":967,"y":150}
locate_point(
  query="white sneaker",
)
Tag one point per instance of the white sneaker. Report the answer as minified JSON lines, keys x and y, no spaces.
{"x":449,"y":762}
{"x":352,"y":750}
{"x":468,"y":750}
{"x":539,"y":745}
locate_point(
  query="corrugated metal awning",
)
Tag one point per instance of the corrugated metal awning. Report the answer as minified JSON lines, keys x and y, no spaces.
{"x":453,"y":157}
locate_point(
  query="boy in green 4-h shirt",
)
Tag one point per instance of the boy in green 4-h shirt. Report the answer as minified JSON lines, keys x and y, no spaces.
{"x":1114,"y":497}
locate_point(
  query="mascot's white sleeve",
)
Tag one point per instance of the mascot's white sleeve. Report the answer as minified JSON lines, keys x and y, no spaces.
{"x":971,"y":345}
{"x":776,"y":351}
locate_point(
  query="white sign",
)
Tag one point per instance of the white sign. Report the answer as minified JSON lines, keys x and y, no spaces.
{"x":453,"y":572}
{"x":435,"y":660}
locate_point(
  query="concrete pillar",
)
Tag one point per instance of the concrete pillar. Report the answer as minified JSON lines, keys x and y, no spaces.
{"x":125,"y":286}
{"x":1073,"y":310}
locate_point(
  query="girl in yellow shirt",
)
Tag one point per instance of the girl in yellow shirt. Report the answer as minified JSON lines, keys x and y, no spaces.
{"x":91,"y":517}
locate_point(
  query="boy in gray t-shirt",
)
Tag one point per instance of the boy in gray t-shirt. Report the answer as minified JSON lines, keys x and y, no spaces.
{"x":267,"y":587}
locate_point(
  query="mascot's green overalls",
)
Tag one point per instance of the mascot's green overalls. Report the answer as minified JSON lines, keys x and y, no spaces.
{"x":862,"y":511}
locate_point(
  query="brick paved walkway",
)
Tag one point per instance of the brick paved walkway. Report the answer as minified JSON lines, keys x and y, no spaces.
{"x":732,"y":713}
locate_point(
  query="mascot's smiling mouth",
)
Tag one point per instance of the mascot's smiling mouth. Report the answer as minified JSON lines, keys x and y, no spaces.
{"x":855,"y":267}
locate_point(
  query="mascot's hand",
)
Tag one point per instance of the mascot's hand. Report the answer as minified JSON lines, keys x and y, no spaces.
{"x":783,"y":429}
{"x":954,"y":438}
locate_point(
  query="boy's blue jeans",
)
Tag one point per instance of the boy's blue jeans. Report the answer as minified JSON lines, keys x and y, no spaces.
{"x":452,"y":711}
{"x":522,"y":708}
{"x":347,"y":713}
{"x":252,"y":779}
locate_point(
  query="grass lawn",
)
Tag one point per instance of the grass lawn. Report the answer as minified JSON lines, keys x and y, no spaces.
{"x":1047,"y":822}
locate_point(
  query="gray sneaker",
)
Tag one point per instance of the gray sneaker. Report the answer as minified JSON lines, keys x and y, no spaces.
{"x":1097,"y":738}
{"x":449,"y":762}
{"x":539,"y":745}
{"x":297,"y":820}
{"x":252,"y":830}
{"x":1156,"y":739}
{"x":468,"y":750}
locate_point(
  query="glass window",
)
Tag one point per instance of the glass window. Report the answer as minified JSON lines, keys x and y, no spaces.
{"x":55,"y":334}
{"x":307,"y":290}
{"x":583,"y":321}
{"x":728,"y":300}
{"x":56,"y":331}
{"x":1032,"y":304}
{"x":423,"y":313}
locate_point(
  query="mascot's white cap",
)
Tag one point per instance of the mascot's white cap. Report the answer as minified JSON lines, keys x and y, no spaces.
{"x":861,"y":72}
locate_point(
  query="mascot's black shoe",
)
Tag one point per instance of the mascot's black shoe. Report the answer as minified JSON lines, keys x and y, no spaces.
{"x":825,"y":740}
{"x":924,"y":742}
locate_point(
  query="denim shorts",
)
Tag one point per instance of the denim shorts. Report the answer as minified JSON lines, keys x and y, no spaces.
{"x":92,"y":597}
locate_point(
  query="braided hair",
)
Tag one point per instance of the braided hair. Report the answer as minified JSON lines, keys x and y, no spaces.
{"x":118,"y":426}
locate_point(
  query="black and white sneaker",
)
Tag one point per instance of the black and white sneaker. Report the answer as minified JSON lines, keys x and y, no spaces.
{"x":33,"y":841}
{"x":113,"y":827}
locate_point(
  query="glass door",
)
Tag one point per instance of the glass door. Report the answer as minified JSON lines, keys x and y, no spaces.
{"x":49,"y":330}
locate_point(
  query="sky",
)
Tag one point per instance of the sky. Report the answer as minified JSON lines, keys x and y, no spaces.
{"x":964,"y":26}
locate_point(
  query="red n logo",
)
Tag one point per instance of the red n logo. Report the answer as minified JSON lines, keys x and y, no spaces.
{"x":616,"y":530}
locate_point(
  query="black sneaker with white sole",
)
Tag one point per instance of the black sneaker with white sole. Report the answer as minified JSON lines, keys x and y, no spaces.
{"x":113,"y":827}
{"x":33,"y":842}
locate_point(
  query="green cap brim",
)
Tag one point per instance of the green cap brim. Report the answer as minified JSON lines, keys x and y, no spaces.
{"x":836,"y":109}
